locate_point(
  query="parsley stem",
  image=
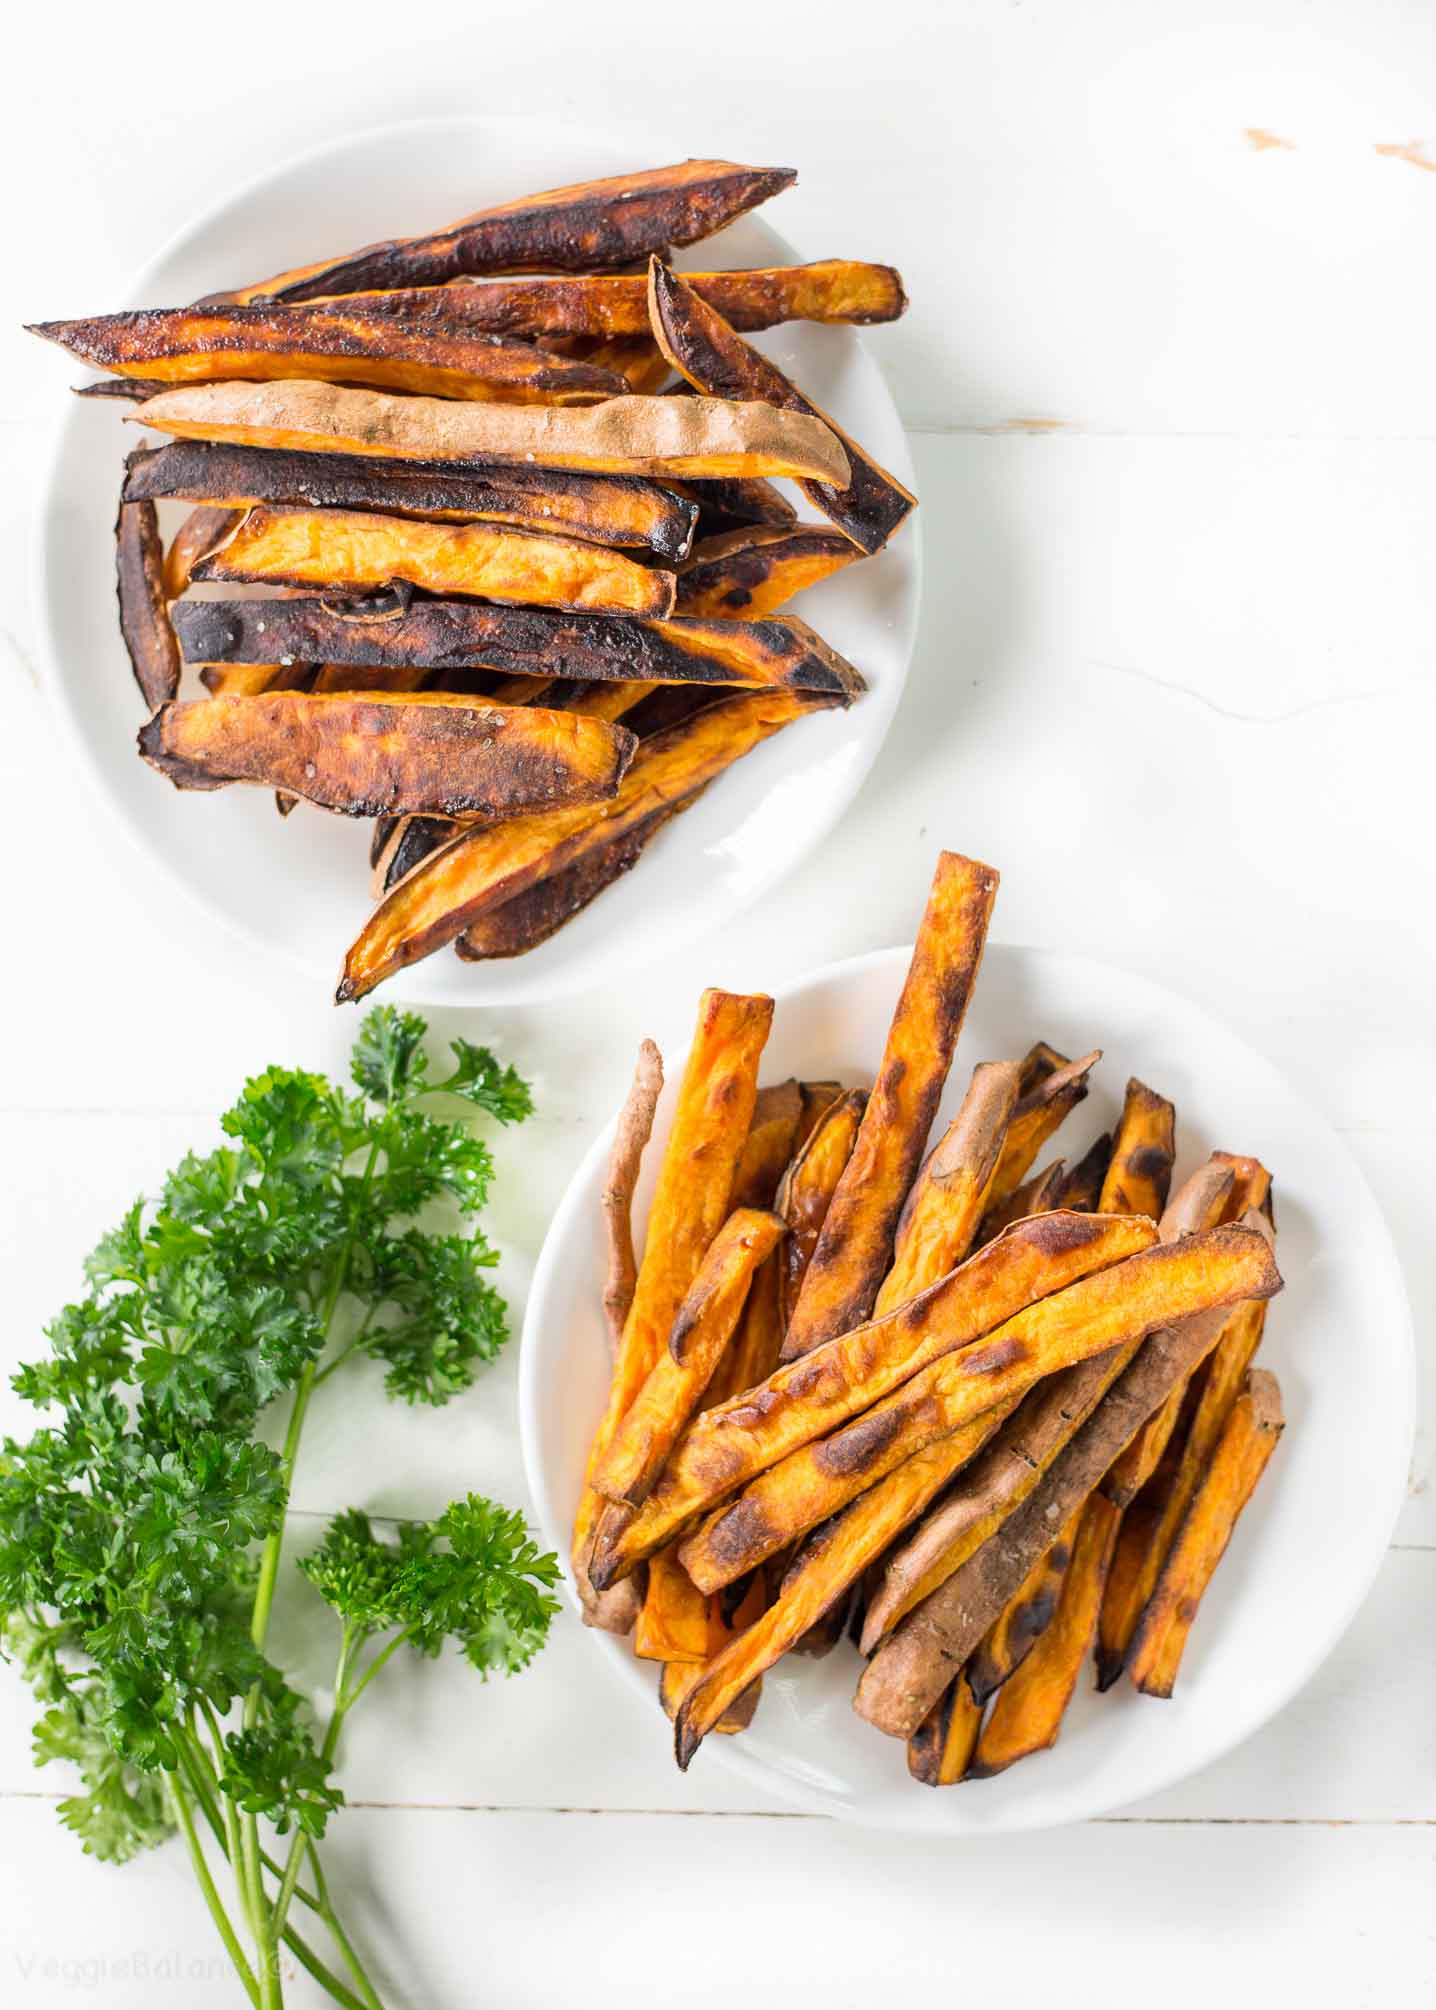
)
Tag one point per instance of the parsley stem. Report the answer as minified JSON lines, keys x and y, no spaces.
{"x":371,"y":1671}
{"x":184,"y":1816}
{"x":341,"y":1939}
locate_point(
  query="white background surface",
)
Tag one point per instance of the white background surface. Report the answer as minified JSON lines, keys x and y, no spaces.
{"x":1172,"y":411}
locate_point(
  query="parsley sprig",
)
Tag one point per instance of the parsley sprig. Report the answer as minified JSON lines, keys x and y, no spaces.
{"x":142,"y":1526}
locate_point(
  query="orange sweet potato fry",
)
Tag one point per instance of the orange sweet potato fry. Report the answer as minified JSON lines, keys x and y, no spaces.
{"x":1112,"y":1308}
{"x":1029,"y":1709}
{"x":1035,"y":1263}
{"x":1025,"y":1618}
{"x":854,"y":1250}
{"x":807,"y":1191}
{"x":1038,"y":1195}
{"x":200,"y":532}
{"x":679,"y":1677}
{"x":753,"y":1354}
{"x":1142,"y":1153}
{"x":705,"y":1143}
{"x":1248,"y":1440}
{"x":1048,"y":1096}
{"x":940,"y":1216}
{"x":940,"y":1749}
{"x":755,"y":571}
{"x":1082,"y":1185}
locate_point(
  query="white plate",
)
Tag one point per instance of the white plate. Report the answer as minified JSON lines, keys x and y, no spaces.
{"x":302,"y":889}
{"x":1339,"y":1336}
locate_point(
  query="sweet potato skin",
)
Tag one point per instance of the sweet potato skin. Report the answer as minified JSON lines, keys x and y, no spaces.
{"x":144,"y":618}
{"x":761,"y":1428}
{"x":753,"y":572}
{"x":591,"y":224}
{"x":1110,"y":1308}
{"x":351,"y":549}
{"x":632,"y":1131}
{"x":481,"y":868}
{"x":628,"y":435}
{"x":519,"y":641}
{"x":871,"y":505}
{"x":854,"y":1250}
{"x":1048,"y":1096}
{"x":613,"y":305}
{"x":623,"y":510}
{"x":371,"y":757}
{"x":703,"y":1326}
{"x":1027,"y":1715}
{"x":1248,"y":1439}
{"x":905,"y":1678}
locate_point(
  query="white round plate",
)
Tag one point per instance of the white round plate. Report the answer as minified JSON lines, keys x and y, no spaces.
{"x":300,"y":886}
{"x":1339,"y":1337}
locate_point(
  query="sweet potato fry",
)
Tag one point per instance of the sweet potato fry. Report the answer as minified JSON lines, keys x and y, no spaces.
{"x":870,"y":505}
{"x":613,"y":305}
{"x":144,"y":618}
{"x":711,"y":1120}
{"x":391,"y":677}
{"x":530,"y":918}
{"x":680,"y":1676}
{"x":485,"y":865}
{"x":1082,"y":1186}
{"x":1029,"y":1709}
{"x":942,"y":1210}
{"x":755,"y":571}
{"x":1142,"y":1154}
{"x":675,"y":1621}
{"x":817,"y":1099}
{"x":370,"y":756}
{"x":200,"y":532}
{"x":706,"y":1321}
{"x":753,"y":1353}
{"x":1037,"y":1262}
{"x":332,"y":344}
{"x":622,"y":510}
{"x":1113,"y":1308}
{"x":637,"y":359}
{"x":622,"y":436}
{"x":807,"y":1191}
{"x":590,"y":224}
{"x":630,"y":1139}
{"x":1038,"y":1195}
{"x":519,"y":641}
{"x":735,"y":503}
{"x":909,"y":1672}
{"x":854,"y":1251}
{"x":1027,"y":1442}
{"x":1024,"y":1619}
{"x":1048,"y":1097}
{"x":1248,"y":1440}
{"x":247,"y":680}
{"x":352,"y":549}
{"x":769,"y":1144}
{"x":939,"y":1749}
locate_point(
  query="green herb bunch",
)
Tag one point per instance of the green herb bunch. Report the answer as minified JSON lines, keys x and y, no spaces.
{"x":142,"y":1528}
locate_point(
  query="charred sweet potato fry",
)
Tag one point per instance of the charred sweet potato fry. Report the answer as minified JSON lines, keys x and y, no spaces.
{"x":520,"y":641}
{"x":144,"y":618}
{"x":680,"y":1676}
{"x":532,"y":917}
{"x":1023,"y":1621}
{"x":613,"y":305}
{"x":1048,"y":1096}
{"x":621,"y":436}
{"x":942,"y":1210}
{"x":333,"y":344}
{"x":1082,"y":1185}
{"x":637,"y":359}
{"x":705,"y":1323}
{"x":1112,"y":1308}
{"x":1038,"y":1262}
{"x":1029,"y":1709}
{"x":247,"y":680}
{"x":200,"y":532}
{"x":711,"y":1119}
{"x":1024,"y":1446}
{"x":1038,"y":1195}
{"x":807,"y":1191}
{"x":351,"y":549}
{"x":590,"y":224}
{"x":909,"y":1672}
{"x":755,"y":571}
{"x":1248,"y":1440}
{"x":854,"y":1250}
{"x":484,"y":866}
{"x":623,"y":510}
{"x":374,"y":755}
{"x":1142,"y":1154}
{"x":718,"y":362}
{"x":630,"y":1140}
{"x":939,"y":1749}
{"x":736,"y":503}
{"x":391,"y":677}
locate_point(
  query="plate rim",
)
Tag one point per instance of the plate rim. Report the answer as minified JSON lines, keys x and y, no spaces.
{"x":409,"y":987}
{"x":727,"y":1754}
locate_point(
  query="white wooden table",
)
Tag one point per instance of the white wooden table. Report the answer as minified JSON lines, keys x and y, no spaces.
{"x":1168,"y":378}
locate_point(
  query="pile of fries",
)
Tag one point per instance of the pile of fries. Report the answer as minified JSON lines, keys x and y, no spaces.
{"x":513,"y":484}
{"x":969,"y":1411}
